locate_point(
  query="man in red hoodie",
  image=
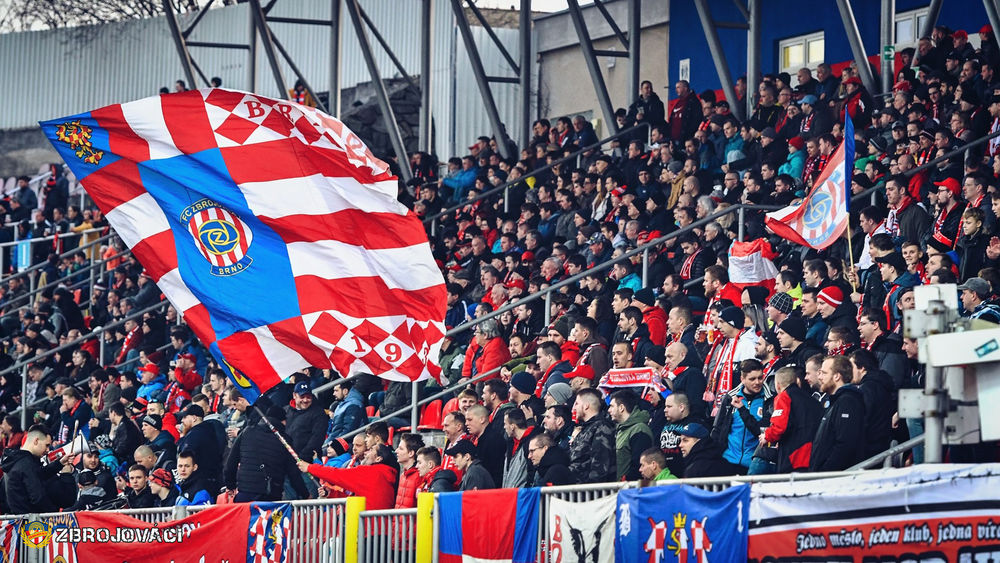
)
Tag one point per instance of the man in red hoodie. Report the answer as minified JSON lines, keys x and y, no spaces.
{"x":654,"y":317}
{"x":486,"y":352}
{"x":375,"y":479}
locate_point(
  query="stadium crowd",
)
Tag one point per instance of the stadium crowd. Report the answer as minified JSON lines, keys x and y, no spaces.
{"x":801,"y":376}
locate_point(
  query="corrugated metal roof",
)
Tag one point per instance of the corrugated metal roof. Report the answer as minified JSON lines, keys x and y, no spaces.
{"x":66,"y":71}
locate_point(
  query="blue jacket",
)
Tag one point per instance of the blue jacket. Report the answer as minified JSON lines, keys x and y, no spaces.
{"x":147,"y":390}
{"x":907,"y":279}
{"x":200,"y":361}
{"x":462,"y":181}
{"x":631,"y":281}
{"x":738,"y":435}
{"x":794,"y":165}
{"x":349,"y":415}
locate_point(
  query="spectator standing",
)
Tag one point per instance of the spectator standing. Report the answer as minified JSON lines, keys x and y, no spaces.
{"x":738,"y":424}
{"x":138,"y":493}
{"x":258,"y":463}
{"x":632,"y":433}
{"x":794,"y":420}
{"x":161,"y":484}
{"x":195,"y":487}
{"x":490,"y":443}
{"x":26,"y":480}
{"x":839,"y":441}
{"x":348,"y":410}
{"x":701,"y":456}
{"x":653,"y":466}
{"x":375,"y":479}
{"x":409,"y":475}
{"x":475,"y":477}
{"x":592,"y":451}
{"x":550,"y":462}
{"x":307,"y":422}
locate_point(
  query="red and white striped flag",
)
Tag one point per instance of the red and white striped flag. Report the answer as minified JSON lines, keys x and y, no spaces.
{"x":271,"y":227}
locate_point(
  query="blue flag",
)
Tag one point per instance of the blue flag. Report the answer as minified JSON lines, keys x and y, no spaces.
{"x":683,"y":524}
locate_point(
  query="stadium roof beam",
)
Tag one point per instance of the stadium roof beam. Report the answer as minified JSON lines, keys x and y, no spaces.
{"x":933,"y":11}
{"x":719,"y":58}
{"x":753,"y":52}
{"x":179,"y":42}
{"x":887,"y":36}
{"x":992,"y":14}
{"x":482,"y":80}
{"x":590,"y":57}
{"x":388,"y":115}
{"x":857,"y":47}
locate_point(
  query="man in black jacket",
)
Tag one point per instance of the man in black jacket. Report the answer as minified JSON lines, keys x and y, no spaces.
{"x":551,"y":462}
{"x":25,"y":479}
{"x":688,"y":378}
{"x":792,"y":337}
{"x":877,"y":390}
{"x":128,"y":437}
{"x":306,"y":422}
{"x":886,"y":346}
{"x":138,"y":493}
{"x":207,"y":445}
{"x":839,"y":443}
{"x":489,"y":441}
{"x":258,"y":463}
{"x":702,"y":458}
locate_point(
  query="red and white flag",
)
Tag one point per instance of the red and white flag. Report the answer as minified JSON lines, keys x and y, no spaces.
{"x":750,"y":263}
{"x":271,"y":227}
{"x":821,"y":218}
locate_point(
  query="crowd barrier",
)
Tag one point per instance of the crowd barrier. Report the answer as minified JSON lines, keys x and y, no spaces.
{"x":342,"y":531}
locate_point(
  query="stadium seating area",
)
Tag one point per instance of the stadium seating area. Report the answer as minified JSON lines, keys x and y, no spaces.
{"x":649,"y":366}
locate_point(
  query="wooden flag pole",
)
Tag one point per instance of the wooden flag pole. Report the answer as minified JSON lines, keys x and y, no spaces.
{"x":850,"y":255}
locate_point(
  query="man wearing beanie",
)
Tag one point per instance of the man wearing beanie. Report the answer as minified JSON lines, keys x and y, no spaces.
{"x":739,"y":344}
{"x":258,"y":463}
{"x":896,"y":276}
{"x":792,"y":337}
{"x":829,"y":301}
{"x":522,"y":386}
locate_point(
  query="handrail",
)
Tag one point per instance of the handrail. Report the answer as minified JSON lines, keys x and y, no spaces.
{"x":433,"y":219}
{"x":424,"y":401}
{"x":66,"y":254}
{"x":897,"y":449}
{"x":604,"y":265}
{"x":917,"y":169}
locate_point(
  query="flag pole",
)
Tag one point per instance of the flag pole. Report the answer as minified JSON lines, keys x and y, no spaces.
{"x":850,"y":255}
{"x":284,"y":442}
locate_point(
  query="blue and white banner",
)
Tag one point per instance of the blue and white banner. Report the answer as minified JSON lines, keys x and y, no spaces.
{"x":682,"y":524}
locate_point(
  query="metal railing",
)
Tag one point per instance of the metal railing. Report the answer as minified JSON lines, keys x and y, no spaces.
{"x":505,"y":187}
{"x":388,"y":535}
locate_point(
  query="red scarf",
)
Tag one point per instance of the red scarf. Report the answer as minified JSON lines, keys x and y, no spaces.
{"x":688,"y":264}
{"x":725,"y":378}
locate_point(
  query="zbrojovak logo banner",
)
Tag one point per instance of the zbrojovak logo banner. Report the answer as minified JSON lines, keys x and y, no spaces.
{"x":582,"y":532}
{"x":682,"y":524}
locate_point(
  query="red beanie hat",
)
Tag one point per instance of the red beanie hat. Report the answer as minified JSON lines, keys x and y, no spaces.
{"x":832,"y":296}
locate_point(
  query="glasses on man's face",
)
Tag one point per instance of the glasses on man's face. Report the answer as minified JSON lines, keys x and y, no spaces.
{"x":533,"y":450}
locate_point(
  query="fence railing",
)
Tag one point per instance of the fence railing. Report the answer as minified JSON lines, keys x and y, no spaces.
{"x":316,"y":533}
{"x":388,"y":535}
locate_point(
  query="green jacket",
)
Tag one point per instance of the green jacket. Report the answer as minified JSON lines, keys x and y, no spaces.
{"x":664,"y":475}
{"x":631,"y":439}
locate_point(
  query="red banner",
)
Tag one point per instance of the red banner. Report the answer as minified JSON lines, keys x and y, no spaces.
{"x":230,"y":533}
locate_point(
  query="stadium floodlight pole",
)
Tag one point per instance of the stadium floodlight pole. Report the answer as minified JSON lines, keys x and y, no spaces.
{"x":388,"y":116}
{"x":265,"y":38}
{"x":333,"y":102}
{"x":933,"y":11}
{"x":479,"y":72}
{"x":887,"y":33}
{"x":857,"y":46}
{"x":525,"y":74}
{"x":992,"y":15}
{"x":252,"y":57}
{"x":590,"y":57}
{"x":753,"y":53}
{"x":426,"y":138}
{"x":719,"y":58}
{"x":634,"y":38}
{"x":179,"y":43}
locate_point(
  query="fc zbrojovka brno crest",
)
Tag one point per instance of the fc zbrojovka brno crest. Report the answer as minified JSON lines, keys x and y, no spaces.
{"x":220,"y":236}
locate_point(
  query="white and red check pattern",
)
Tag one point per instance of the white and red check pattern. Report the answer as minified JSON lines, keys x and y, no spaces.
{"x":259,"y":534}
{"x":9,"y":540}
{"x":371,"y":296}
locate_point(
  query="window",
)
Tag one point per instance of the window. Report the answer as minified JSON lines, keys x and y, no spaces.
{"x":908,"y":26}
{"x":801,"y":51}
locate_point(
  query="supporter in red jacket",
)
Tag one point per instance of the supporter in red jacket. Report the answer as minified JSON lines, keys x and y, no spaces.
{"x":375,"y":479}
{"x":486,"y":352}
{"x":409,"y":477}
{"x":654,"y":317}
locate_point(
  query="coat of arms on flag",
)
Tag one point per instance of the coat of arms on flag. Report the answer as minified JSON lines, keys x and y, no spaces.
{"x":270,"y":227}
{"x":821,"y":218}
{"x":268,"y":536}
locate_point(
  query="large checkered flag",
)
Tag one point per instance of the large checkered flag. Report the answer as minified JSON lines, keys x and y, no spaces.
{"x":271,"y":227}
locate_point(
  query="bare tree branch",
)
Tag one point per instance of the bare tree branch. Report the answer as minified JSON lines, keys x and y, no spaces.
{"x":28,"y":15}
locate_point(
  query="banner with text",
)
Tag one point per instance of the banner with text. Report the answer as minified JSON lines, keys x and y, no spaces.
{"x":209,"y":535}
{"x":939,"y":513}
{"x":681,"y":523}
